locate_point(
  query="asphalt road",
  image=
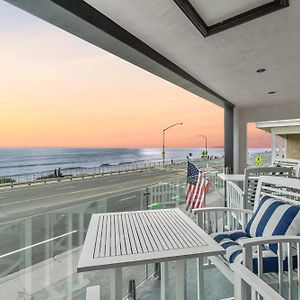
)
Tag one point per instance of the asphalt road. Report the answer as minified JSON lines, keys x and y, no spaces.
{"x":24,"y":201}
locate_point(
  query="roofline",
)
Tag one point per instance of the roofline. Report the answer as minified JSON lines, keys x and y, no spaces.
{"x":280,"y":123}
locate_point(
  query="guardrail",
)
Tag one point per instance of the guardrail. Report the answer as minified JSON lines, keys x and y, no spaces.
{"x":70,"y":173}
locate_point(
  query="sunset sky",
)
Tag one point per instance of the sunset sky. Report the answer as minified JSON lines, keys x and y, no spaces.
{"x":59,"y":91}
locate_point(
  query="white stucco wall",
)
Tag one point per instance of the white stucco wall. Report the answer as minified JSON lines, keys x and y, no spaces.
{"x":257,"y":114}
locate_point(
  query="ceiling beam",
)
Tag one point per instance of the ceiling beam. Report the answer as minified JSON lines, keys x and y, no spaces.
{"x":91,"y":15}
{"x":250,"y":15}
{"x":83,"y":20}
{"x":187,"y":8}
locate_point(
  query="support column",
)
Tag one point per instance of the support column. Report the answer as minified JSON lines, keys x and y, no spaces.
{"x":285,"y":147}
{"x":273,"y":147}
{"x":280,"y":146}
{"x":228,"y":137}
{"x":240,"y":141}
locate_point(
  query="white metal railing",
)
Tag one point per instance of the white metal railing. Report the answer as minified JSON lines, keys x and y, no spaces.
{"x":70,"y":173}
{"x":257,"y":288}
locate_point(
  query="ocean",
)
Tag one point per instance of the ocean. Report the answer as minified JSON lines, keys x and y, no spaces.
{"x":15,"y":161}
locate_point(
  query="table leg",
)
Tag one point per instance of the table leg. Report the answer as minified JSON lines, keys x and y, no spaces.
{"x":181,"y":280}
{"x":164,"y":290}
{"x":116,"y":284}
{"x":200,"y":278}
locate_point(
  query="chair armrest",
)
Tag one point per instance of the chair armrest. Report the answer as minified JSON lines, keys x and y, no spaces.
{"x":269,"y":240}
{"x":242,"y":274}
{"x":284,"y":251}
{"x":224,"y":209}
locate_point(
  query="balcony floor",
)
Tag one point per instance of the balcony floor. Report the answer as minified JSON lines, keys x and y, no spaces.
{"x":57,"y":279}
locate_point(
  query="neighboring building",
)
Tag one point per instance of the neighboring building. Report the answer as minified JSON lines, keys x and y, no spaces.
{"x":285,"y":138}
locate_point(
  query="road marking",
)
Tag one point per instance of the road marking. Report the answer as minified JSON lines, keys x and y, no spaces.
{"x":86,"y":190}
{"x":34,"y":199}
{"x":37,"y":244}
{"x":127,"y":198}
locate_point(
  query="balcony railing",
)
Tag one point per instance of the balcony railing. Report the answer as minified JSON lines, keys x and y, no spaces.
{"x":70,"y":173}
{"x":39,"y":256}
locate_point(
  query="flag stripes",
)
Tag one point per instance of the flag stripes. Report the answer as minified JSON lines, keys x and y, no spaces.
{"x":196,"y":189}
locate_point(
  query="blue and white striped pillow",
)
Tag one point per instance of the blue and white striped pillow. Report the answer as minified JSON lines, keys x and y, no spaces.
{"x":274,"y":217}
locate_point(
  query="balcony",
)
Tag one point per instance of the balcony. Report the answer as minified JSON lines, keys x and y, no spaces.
{"x":249,"y":67}
{"x":41,"y":253}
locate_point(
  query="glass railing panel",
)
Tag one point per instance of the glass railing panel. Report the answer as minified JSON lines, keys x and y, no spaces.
{"x":41,"y":253}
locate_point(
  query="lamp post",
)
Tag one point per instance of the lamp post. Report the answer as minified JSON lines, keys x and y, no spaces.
{"x":164,"y":130}
{"x":205,"y":142}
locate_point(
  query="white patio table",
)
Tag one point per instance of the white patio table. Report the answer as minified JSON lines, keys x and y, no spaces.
{"x":116,"y":240}
{"x":232,"y":177}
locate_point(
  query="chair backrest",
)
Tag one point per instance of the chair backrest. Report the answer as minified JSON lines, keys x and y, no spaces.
{"x":286,"y":189}
{"x":234,"y":195}
{"x":288,"y":162}
{"x":252,"y":175}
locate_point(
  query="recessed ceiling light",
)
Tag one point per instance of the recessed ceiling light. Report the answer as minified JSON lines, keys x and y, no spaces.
{"x":260,"y":70}
{"x":271,"y":93}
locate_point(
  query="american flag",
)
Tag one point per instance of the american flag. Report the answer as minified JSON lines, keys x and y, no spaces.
{"x":196,"y":188}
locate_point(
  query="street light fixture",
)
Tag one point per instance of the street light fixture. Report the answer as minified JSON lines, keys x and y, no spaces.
{"x":164,"y":130}
{"x":205,"y":143}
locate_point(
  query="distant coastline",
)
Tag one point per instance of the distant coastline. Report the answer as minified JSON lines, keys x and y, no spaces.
{"x":29,"y":160}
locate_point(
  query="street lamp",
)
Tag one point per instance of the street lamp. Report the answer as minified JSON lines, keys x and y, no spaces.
{"x":164,"y":130}
{"x":205,"y":143}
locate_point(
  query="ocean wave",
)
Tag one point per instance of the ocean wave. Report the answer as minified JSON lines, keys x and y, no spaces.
{"x":37,"y":164}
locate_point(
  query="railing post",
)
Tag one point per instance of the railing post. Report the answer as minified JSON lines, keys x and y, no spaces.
{"x":131,"y":290}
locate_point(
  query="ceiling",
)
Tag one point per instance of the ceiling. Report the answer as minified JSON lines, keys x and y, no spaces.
{"x":225,"y":62}
{"x":214,"y":11}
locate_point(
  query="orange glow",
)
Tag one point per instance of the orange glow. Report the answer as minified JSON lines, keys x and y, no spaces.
{"x":258,"y":138}
{"x":59,"y":91}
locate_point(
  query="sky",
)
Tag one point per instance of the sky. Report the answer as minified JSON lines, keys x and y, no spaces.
{"x":59,"y":91}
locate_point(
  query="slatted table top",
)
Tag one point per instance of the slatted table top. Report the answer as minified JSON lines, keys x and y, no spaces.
{"x":137,"y":237}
